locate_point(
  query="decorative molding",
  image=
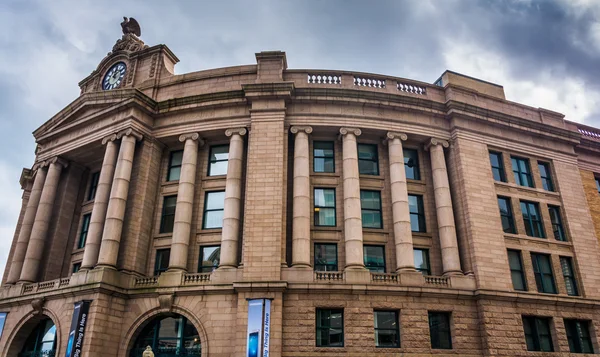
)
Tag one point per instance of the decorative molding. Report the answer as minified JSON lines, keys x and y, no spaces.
{"x":53,"y":160}
{"x":391,"y":135}
{"x":38,"y":305}
{"x":128,"y":43}
{"x":153,"y":62}
{"x":166,"y":301}
{"x":296,"y":129}
{"x":239,"y":131}
{"x":355,"y":131}
{"x":191,"y":136}
{"x":111,"y":137}
{"x":130,"y":132}
{"x":435,"y":141}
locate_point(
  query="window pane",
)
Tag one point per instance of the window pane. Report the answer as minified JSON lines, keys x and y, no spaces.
{"x":385,"y":319}
{"x":497,"y":166}
{"x":325,"y":217}
{"x":218,"y":160}
{"x":370,"y":199}
{"x":516,"y":270}
{"x":209,"y":258}
{"x":422,"y":260}
{"x":323,"y":148}
{"x":374,"y":258}
{"x":371,"y":209}
{"x":168,"y":214}
{"x":324,"y":197}
{"x":411,"y":164}
{"x":161,"y":263}
{"x":569,"y":275}
{"x":213,"y":219}
{"x":417,"y":217}
{"x":367,"y":159}
{"x":215,"y":200}
{"x":326,"y":257}
{"x":439,"y":330}
{"x":367,"y":152}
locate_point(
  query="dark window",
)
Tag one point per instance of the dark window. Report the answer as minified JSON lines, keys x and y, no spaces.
{"x":210,"y":256}
{"x":497,"y":166}
{"x":569,"y":275}
{"x":422,"y":261}
{"x":597,"y":184}
{"x":323,"y":156}
{"x":85,"y":226}
{"x":417,"y":214}
{"x":324,"y":207}
{"x":546,"y":177}
{"x":76,"y":267}
{"x":330,"y":328}
{"x":578,"y":335}
{"x":557,"y":228}
{"x":218,"y":159}
{"x":368,"y":162}
{"x":537,"y":334}
{"x":41,"y":341}
{"x":214,"y":205}
{"x":516,"y":270}
{"x":522,"y":171}
{"x":175,"y":160}
{"x":326,"y":257}
{"x":168,"y":335}
{"x":532,"y":219}
{"x":506,"y":215}
{"x":370,"y":205}
{"x":387,"y":331}
{"x":411,"y":164}
{"x":542,"y":269}
{"x":93,"y":186}
{"x":168,"y":214}
{"x":161,"y":264}
{"x":439,"y":330}
{"x":374,"y":258}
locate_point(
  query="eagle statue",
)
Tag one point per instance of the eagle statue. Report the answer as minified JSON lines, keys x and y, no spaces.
{"x":130,"y":25}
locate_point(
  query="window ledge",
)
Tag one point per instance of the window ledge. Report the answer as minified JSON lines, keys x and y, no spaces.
{"x":210,"y":231}
{"x":169,"y":183}
{"x":415,"y":182}
{"x":87,"y":202}
{"x":375,"y":230}
{"x":422,"y":234}
{"x":325,"y":229}
{"x":519,"y":237}
{"x":324,"y":174}
{"x":527,"y":189}
{"x":214,"y":178}
{"x":163,"y":235}
{"x":371,"y":177}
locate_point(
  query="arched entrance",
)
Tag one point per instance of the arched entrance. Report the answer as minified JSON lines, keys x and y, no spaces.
{"x":41,"y":341}
{"x":168,"y":335}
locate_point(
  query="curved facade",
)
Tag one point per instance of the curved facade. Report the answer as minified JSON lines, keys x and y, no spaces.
{"x":378,"y":215}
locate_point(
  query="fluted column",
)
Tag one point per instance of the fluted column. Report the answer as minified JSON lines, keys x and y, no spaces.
{"x":405,"y":260}
{"x":233,"y":193}
{"x":185,"y":203}
{"x":443,"y":207}
{"x":94,"y":236}
{"x":352,"y":212}
{"x":43,"y":216}
{"x":301,"y":201}
{"x":113,"y":225}
{"x":27,"y":224}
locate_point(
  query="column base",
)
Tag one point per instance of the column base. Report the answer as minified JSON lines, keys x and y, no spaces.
{"x":298,"y":274}
{"x":226,"y":275}
{"x":357,"y":275}
{"x":107,"y":275}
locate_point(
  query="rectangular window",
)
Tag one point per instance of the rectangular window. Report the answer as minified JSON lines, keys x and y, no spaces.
{"x":532,"y":219}
{"x":411,"y":164}
{"x":218,"y":159}
{"x":93,"y":186}
{"x":387,"y":330}
{"x":542,"y":269}
{"x":214,"y":205}
{"x":537,"y":334}
{"x":326,"y":257}
{"x":324,"y":207}
{"x":330,"y":328}
{"x":578,"y":335}
{"x":161,"y":264}
{"x":210,"y":256}
{"x":497,"y":166}
{"x":175,"y":160}
{"x":439,"y":330}
{"x":506,"y":215}
{"x":522,"y":171}
{"x":597,"y":184}
{"x":516,"y":270}
{"x":566,"y":265}
{"x":374,"y":258}
{"x":76,"y":267}
{"x":370,"y":205}
{"x":85,"y":226}
{"x":168,"y":214}
{"x":368,"y":161}
{"x":323,"y":156}
{"x":546,"y":177}
{"x":557,"y":228}
{"x":422,"y":260}
{"x":417,"y":214}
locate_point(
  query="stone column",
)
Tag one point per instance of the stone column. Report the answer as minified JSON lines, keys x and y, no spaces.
{"x":113,"y":225}
{"x":185,"y":203}
{"x":43,"y":216}
{"x":352,"y":212}
{"x":26,"y":226}
{"x":443,"y":207}
{"x":405,"y":260}
{"x":233,"y":193}
{"x":94,"y":236}
{"x":301,"y":201}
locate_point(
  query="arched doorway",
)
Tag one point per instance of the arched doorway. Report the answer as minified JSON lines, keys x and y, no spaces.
{"x":41,"y":341}
{"x":168,"y":335}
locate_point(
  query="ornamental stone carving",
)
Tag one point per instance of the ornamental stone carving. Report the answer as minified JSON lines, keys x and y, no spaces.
{"x":435,"y":141}
{"x":239,"y":131}
{"x":192,"y":136}
{"x":130,"y":132}
{"x":355,"y":131}
{"x":297,"y":129}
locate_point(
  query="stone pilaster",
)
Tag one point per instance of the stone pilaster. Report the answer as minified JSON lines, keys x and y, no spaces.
{"x":301,"y":201}
{"x":185,"y":202}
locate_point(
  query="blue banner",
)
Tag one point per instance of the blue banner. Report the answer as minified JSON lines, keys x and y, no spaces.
{"x":2,"y":321}
{"x":77,"y":330}
{"x":266,"y":328}
{"x":259,"y":328}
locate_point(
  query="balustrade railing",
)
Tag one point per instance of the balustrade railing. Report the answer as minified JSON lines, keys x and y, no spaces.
{"x":411,"y":88}
{"x":196,"y":278}
{"x":329,"y":276}
{"x":64,"y":282}
{"x":369,"y":82}
{"x":324,"y":79}
{"x":589,"y":133}
{"x":146,"y":281}
{"x":390,"y":278}
{"x":437,"y":280}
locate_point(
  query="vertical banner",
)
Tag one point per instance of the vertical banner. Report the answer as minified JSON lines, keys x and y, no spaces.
{"x":2,"y":321}
{"x":77,"y":330}
{"x":259,"y":328}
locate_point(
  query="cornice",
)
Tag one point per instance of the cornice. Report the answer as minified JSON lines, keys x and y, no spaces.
{"x":175,"y":103}
{"x":283,"y":90}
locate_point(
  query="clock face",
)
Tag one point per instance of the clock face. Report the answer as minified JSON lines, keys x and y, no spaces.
{"x":114,"y":77}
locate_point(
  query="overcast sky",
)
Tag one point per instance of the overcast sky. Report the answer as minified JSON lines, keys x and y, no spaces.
{"x":544,"y":53}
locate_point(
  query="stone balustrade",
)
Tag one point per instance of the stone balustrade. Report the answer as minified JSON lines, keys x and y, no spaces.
{"x":389,"y":278}
{"x":145,"y":281}
{"x":437,"y":281}
{"x":369,"y":82}
{"x":411,"y":88}
{"x":336,"y":276}
{"x":324,"y":79}
{"x":196,"y":278}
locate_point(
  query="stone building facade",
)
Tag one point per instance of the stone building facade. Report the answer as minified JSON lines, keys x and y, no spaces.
{"x":380,"y":216}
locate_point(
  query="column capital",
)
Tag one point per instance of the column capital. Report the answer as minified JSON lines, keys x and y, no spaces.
{"x":191,"y":136}
{"x":355,"y":131}
{"x":298,"y":128}
{"x":239,"y":131}
{"x":435,"y":141}
{"x":109,"y":138}
{"x":391,"y":135}
{"x":54,"y":160}
{"x":130,"y":132}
